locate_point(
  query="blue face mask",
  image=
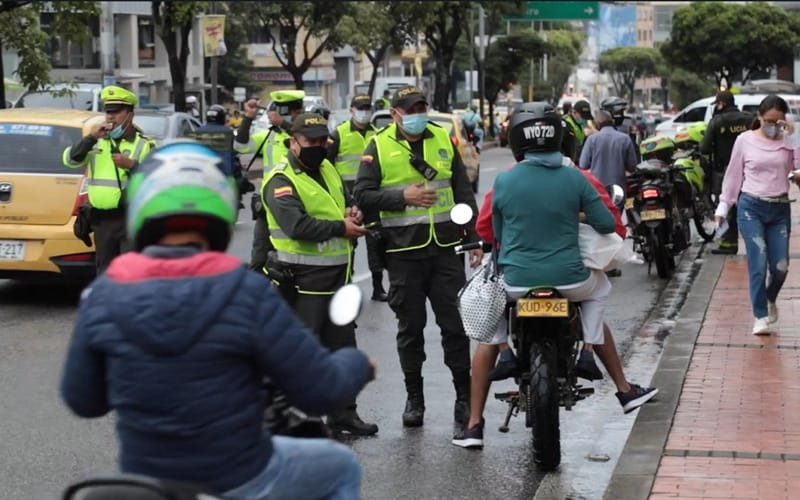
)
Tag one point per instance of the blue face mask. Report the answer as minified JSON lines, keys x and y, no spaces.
{"x":118,"y":131}
{"x":415,"y":124}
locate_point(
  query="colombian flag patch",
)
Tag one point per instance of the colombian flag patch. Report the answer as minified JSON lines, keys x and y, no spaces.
{"x":282,"y":191}
{"x":366,"y":158}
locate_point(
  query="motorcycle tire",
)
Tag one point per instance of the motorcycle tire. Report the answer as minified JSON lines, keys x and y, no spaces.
{"x":665,"y":262}
{"x":704,"y":217}
{"x":542,"y":406}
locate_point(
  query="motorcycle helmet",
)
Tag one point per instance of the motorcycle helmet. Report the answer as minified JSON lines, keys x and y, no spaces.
{"x":536,"y":127}
{"x":181,"y":186}
{"x":216,"y":114}
{"x":657,"y":148}
{"x":318,"y":109}
{"x":616,"y":106}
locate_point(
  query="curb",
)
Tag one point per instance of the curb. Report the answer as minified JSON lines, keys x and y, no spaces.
{"x":636,"y":469}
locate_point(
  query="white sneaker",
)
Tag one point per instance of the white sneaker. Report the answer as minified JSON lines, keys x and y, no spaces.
{"x":761,"y":326}
{"x":772,"y":312}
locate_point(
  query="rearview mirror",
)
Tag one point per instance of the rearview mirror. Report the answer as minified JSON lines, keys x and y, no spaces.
{"x":616,"y":193}
{"x":345,"y":306}
{"x":461,"y":213}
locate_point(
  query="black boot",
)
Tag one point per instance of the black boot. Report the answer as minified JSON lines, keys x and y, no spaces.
{"x":347,"y":420}
{"x":378,"y":293}
{"x":415,"y":404}
{"x":461,"y":383}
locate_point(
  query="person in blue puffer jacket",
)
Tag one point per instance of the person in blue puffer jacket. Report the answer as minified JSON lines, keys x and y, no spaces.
{"x":177,"y":337}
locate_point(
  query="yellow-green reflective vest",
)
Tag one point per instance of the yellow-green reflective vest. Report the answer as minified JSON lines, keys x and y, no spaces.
{"x":397,"y":174}
{"x":106,"y":181}
{"x":577,"y":129}
{"x":320,"y":204}
{"x":351,"y":149}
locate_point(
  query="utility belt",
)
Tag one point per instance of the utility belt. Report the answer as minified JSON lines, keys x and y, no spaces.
{"x":282,"y":277}
{"x":107,"y":213}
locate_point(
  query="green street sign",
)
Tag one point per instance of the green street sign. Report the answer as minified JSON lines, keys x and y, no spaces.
{"x":560,"y":11}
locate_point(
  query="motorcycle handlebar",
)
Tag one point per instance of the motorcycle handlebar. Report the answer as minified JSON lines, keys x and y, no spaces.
{"x":466,"y":247}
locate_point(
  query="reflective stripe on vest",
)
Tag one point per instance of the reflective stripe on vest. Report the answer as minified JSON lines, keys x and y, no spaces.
{"x":320,"y":204}
{"x":397,"y":174}
{"x":106,"y":181}
{"x":351,"y":149}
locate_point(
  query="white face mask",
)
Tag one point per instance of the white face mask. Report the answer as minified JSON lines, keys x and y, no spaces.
{"x":361,"y":115}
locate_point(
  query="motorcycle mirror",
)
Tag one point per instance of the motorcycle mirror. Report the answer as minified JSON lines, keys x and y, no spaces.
{"x":617,"y":194}
{"x":345,"y":305}
{"x":461,"y":214}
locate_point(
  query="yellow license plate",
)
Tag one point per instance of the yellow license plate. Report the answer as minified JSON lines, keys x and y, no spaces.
{"x":657,"y":214}
{"x":629,"y":203}
{"x":543,"y":308}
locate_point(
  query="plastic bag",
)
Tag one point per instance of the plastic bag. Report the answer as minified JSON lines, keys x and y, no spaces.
{"x":601,"y":251}
{"x":482,"y":302}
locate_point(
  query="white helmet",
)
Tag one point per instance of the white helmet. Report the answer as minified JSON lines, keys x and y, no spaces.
{"x":191,"y":99}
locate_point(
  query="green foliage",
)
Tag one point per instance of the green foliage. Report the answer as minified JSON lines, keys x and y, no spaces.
{"x":20,"y":31}
{"x":723,"y":40}
{"x":563,"y":53}
{"x":686,"y":87}
{"x":625,"y":65}
{"x":443,"y":28}
{"x":507,"y":57}
{"x":290,"y":25}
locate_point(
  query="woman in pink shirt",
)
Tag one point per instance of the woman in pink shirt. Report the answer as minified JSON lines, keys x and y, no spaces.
{"x":756,"y":181}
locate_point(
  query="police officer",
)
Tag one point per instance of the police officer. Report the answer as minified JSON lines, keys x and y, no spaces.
{"x":384,"y":102}
{"x":723,"y":129}
{"x":312,"y":222}
{"x":411,"y":173}
{"x":345,"y":148}
{"x":110,"y":152}
{"x":272,"y":144}
{"x":578,"y":118}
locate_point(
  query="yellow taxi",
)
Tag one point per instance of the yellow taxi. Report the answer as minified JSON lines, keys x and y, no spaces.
{"x":39,"y":196}
{"x":467,"y":151}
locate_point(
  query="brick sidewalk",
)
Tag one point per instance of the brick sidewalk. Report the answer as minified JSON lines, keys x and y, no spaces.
{"x":736,"y":431}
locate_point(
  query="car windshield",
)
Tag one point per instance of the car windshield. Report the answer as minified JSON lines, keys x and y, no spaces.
{"x":31,"y":148}
{"x":74,"y":99}
{"x":153,"y":126}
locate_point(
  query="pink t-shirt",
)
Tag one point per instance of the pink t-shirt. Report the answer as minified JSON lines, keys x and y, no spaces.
{"x":758,"y":167}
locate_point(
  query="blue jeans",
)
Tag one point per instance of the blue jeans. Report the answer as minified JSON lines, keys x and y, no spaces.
{"x":765,"y":228}
{"x":307,"y":469}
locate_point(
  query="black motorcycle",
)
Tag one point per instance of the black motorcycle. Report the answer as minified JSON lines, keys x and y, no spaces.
{"x":659,"y":220}
{"x":545,"y":330}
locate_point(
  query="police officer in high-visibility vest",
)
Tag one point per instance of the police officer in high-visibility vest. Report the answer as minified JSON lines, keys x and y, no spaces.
{"x":272,"y":145}
{"x":579,"y":118}
{"x":413,"y":175}
{"x":345,"y":148}
{"x":312,"y":222}
{"x":110,"y":152}
{"x":384,"y":102}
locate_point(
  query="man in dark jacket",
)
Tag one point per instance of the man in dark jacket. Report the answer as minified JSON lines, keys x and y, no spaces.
{"x":723,"y":129}
{"x":178,"y":336}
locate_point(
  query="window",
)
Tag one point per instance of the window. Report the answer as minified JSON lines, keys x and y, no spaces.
{"x":147,"y":45}
{"x":31,"y":148}
{"x":697,"y":114}
{"x":68,"y":53}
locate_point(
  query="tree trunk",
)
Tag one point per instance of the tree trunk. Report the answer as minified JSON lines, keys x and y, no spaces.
{"x":375,"y":60}
{"x":3,"y":77}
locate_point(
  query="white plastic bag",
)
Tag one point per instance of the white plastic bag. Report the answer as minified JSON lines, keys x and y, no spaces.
{"x":601,"y":251}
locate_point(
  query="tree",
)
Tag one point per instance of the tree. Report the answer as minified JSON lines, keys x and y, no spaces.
{"x":563,"y":53}
{"x":507,"y":58}
{"x":20,"y":31}
{"x":290,"y":25}
{"x":724,"y":40}
{"x":686,"y":87}
{"x":391,"y":26}
{"x":442,"y":31}
{"x":625,"y":65}
{"x":173,"y":23}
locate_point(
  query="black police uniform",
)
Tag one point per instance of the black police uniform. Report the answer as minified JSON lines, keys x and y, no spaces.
{"x":432,"y":272}
{"x":376,"y":249}
{"x":723,"y":129}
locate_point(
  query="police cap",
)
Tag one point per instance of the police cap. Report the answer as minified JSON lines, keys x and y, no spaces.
{"x":408,"y":96}
{"x":361,"y":101}
{"x":287,"y":96}
{"x":584,"y":109}
{"x":726,"y":97}
{"x":310,"y":125}
{"x":115,"y":98}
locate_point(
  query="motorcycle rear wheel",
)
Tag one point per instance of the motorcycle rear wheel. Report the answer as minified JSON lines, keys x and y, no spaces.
{"x":542,"y":401}
{"x":665,"y":262}
{"x":704,"y":217}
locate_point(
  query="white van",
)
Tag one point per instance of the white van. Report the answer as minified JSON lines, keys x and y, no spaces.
{"x":703,"y":110}
{"x":83,"y":96}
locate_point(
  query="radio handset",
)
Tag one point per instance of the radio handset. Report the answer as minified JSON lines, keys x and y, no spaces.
{"x":419,"y":164}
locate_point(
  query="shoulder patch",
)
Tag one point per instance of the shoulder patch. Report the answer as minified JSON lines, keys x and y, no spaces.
{"x":367,"y":159}
{"x":282,"y":191}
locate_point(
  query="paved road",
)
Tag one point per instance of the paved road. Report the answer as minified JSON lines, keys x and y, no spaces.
{"x":44,"y":447}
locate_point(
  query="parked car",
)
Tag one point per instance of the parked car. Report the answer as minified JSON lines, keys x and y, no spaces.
{"x":39,"y":196}
{"x":164,"y":125}
{"x":702,"y":110}
{"x":84,"y":96}
{"x":467,"y":151}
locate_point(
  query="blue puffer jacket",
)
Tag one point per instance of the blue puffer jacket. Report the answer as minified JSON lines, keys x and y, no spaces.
{"x":177,"y":341}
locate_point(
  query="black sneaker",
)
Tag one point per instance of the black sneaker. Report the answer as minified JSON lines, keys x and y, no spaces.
{"x":725,"y":250}
{"x":636,"y":397}
{"x":506,"y":367}
{"x":587,"y":367}
{"x":470,"y":438}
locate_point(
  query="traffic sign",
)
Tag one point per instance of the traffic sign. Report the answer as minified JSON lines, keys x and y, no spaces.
{"x":561,"y":11}
{"x":239,"y":94}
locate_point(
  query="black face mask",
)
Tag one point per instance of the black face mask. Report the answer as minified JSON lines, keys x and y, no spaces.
{"x":312,"y":156}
